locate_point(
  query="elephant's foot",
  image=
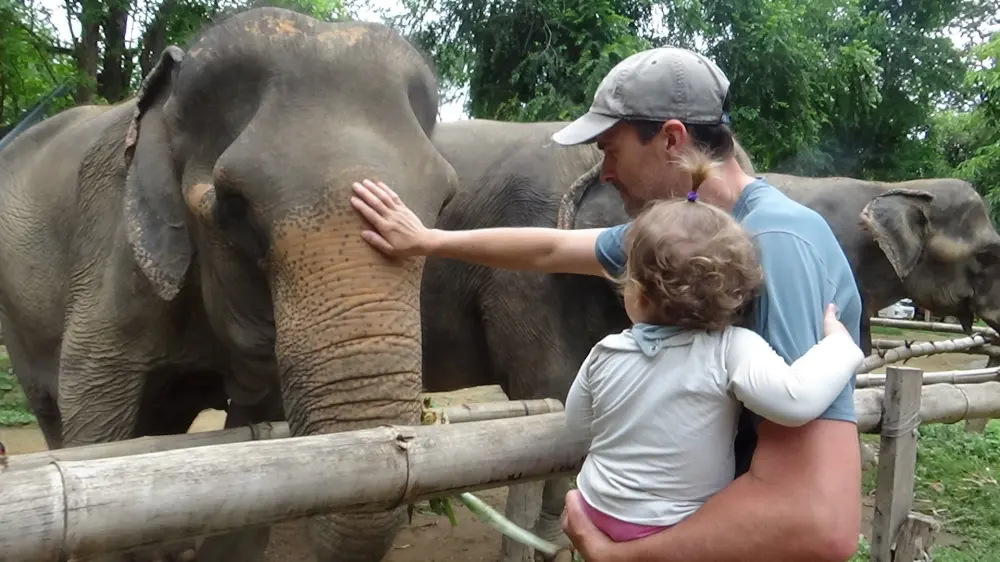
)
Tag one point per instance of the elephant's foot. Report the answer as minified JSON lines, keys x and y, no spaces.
{"x":549,"y":528}
{"x":549,"y":525}
{"x":524,"y":501}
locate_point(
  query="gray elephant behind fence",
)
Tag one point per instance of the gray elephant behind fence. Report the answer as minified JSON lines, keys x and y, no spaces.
{"x":196,"y":243}
{"x":528,"y":332}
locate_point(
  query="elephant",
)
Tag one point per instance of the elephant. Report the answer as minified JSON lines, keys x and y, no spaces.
{"x":528,"y":332}
{"x":195,"y":247}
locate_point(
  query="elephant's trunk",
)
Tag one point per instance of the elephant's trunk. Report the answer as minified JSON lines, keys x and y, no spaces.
{"x":348,"y":347}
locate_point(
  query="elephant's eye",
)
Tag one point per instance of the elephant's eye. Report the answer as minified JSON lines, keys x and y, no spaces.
{"x":234,"y":217}
{"x":232,"y":210}
{"x":988,"y":257}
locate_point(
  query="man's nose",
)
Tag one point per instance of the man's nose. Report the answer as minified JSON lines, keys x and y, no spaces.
{"x":607,"y":173}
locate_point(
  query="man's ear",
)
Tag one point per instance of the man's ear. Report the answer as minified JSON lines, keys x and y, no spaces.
{"x":675,"y":134}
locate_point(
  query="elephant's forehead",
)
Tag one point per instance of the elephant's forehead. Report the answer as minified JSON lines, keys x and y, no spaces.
{"x":283,"y":28}
{"x":345,"y":35}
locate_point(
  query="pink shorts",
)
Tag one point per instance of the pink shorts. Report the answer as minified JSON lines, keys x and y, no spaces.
{"x":616,"y":529}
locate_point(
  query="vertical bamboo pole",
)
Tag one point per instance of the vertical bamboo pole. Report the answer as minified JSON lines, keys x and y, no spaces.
{"x":897,"y":458}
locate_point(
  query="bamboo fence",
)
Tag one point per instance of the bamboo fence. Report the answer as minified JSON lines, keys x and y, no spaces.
{"x":87,"y":507}
{"x":76,"y":503}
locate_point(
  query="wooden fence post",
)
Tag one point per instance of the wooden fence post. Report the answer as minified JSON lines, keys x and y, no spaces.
{"x":897,"y":459}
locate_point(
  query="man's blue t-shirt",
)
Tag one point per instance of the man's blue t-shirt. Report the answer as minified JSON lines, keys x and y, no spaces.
{"x":804,"y":269}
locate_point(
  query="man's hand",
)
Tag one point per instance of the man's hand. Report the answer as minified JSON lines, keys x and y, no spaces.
{"x":398,"y":231}
{"x":587,"y":539}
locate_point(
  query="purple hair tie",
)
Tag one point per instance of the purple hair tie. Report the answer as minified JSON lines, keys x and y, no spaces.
{"x":692,"y":195}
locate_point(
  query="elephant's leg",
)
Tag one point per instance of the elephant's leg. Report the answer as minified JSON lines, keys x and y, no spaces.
{"x":250,"y":543}
{"x":524,"y":502}
{"x":531,"y":360}
{"x":46,"y":410}
{"x":37,"y":373}
{"x":549,"y":525}
{"x":866,"y":329}
{"x":41,"y":400}
{"x":101,"y":375}
{"x":869,"y":457}
{"x":170,"y":403}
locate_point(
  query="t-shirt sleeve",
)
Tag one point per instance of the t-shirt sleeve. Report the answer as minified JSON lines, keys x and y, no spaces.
{"x":579,"y":402}
{"x":789,"y":395}
{"x":610,"y":249}
{"x":790,"y":313}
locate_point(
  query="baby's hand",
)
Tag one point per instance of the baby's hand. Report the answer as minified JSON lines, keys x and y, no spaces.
{"x":830,"y":323}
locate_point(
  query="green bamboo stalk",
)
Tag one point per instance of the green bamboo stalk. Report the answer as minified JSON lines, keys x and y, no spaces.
{"x":485,"y":513}
{"x":492,"y":517}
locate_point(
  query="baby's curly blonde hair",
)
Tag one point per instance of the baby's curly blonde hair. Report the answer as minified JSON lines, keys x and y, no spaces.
{"x":692,"y":261}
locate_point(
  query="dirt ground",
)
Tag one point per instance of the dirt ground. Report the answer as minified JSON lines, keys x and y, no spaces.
{"x":430,"y":538}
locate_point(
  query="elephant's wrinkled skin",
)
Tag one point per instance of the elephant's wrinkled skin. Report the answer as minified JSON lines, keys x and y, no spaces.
{"x":197,"y":243}
{"x":529,"y":332}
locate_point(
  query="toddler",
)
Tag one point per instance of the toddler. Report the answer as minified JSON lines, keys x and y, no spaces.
{"x":660,"y":401}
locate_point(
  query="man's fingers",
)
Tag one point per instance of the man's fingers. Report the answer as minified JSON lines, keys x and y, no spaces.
{"x":377,"y":241}
{"x":392,"y":194}
{"x":381,"y":191}
{"x":373,"y":217}
{"x":368,"y":194}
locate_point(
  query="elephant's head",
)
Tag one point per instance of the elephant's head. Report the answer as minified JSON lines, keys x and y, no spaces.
{"x":240,"y":162}
{"x":939,"y":239}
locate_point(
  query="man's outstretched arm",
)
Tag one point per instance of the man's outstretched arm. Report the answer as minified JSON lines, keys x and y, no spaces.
{"x":398,"y":232}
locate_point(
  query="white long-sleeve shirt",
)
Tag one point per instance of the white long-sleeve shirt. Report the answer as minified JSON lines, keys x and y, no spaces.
{"x":662,"y":412}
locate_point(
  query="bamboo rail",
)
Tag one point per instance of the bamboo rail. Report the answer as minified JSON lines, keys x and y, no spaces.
{"x":929,"y":326}
{"x":969,"y":376}
{"x":989,"y":350}
{"x":939,"y":403}
{"x":920,"y":349}
{"x":267,"y":430}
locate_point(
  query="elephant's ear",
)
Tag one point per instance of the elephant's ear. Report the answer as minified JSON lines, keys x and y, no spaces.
{"x":899,"y":220}
{"x":154,"y":208}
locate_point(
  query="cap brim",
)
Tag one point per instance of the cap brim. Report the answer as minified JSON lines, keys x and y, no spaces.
{"x":585,"y":129}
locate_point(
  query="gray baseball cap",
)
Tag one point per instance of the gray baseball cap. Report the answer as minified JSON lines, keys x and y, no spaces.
{"x":655,"y":85}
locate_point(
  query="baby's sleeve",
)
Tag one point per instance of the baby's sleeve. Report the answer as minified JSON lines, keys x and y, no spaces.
{"x":579,"y":402}
{"x":789,"y":395}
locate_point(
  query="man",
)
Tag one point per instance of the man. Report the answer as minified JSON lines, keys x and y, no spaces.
{"x":799,"y":498}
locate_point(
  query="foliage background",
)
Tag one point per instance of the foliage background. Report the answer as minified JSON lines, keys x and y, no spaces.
{"x":877,"y":89}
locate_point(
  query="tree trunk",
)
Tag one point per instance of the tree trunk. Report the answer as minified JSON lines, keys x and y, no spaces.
{"x":113,"y":83}
{"x":88,"y":50}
